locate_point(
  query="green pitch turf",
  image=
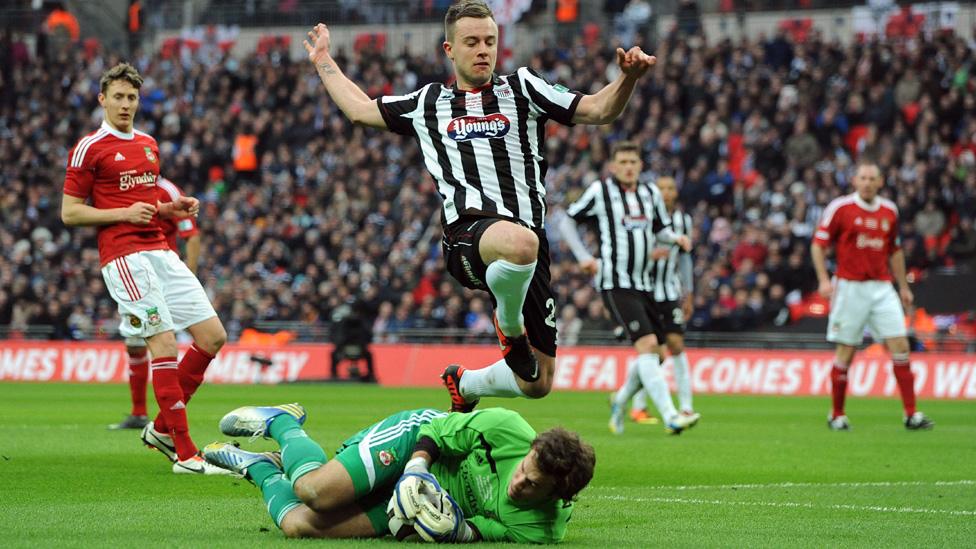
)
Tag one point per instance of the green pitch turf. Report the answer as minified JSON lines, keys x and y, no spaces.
{"x":756,"y":472}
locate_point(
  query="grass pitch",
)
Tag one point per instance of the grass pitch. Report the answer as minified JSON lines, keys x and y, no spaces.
{"x":756,"y":472}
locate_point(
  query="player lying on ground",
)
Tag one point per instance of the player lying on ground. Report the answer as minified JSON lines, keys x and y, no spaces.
{"x":510,"y":483}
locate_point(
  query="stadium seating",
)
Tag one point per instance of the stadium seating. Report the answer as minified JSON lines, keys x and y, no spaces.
{"x":760,"y":136}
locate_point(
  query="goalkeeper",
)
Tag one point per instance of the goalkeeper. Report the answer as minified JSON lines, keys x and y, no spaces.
{"x":509,"y":483}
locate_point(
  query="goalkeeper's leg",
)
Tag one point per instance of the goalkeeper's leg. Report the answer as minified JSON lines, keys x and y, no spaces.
{"x":297,"y":520}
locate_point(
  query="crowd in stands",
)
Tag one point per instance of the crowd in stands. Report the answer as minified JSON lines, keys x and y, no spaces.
{"x":303,"y":212}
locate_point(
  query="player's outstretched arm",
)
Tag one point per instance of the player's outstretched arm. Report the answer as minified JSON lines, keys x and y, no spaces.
{"x":354,"y":103}
{"x":605,"y":106}
{"x":75,"y":213}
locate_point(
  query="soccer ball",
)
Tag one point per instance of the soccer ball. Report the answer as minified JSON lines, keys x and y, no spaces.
{"x":401,"y":530}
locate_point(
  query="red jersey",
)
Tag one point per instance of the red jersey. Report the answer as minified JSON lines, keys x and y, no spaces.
{"x":167,"y":191}
{"x":117,"y":170}
{"x":864,"y":235}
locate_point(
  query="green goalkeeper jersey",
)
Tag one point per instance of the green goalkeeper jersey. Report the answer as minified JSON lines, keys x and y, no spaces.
{"x":480,"y":452}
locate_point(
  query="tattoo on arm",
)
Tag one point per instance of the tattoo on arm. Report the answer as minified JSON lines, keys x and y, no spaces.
{"x":327,"y":68}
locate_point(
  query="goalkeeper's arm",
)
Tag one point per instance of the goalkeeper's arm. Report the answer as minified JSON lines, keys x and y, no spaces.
{"x":412,"y":504}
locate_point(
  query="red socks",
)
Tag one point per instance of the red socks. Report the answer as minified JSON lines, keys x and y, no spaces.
{"x":138,"y":378}
{"x":192,"y":368}
{"x":838,"y":389}
{"x":906,"y":384}
{"x":172,"y":408}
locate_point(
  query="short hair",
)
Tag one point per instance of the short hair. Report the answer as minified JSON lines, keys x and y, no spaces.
{"x":624,"y":146}
{"x":122,"y":71}
{"x":465,"y":8}
{"x":868,"y":161}
{"x":561,"y":455}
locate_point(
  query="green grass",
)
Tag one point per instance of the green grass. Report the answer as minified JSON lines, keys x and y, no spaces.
{"x":67,"y":481}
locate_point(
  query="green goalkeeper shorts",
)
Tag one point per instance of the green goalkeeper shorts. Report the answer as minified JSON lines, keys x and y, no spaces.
{"x":375,"y":458}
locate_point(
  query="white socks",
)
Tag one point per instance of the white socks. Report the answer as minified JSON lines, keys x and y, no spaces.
{"x":509,"y":283}
{"x":640,"y":400}
{"x":649,"y":369}
{"x":497,"y":380}
{"x":683,"y":380}
{"x":632,"y":385}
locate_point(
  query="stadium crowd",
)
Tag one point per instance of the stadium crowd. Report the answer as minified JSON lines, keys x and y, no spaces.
{"x":301,"y":212}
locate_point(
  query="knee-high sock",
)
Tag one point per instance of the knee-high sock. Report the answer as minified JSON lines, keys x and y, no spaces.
{"x":682,"y":378}
{"x":138,"y":379}
{"x":300,"y":455}
{"x":497,"y":380}
{"x":278,"y":494}
{"x":838,"y":388}
{"x":192,"y":367}
{"x":906,"y":383}
{"x":172,"y":409}
{"x":640,"y":400}
{"x":632,"y":385}
{"x":649,"y":369}
{"x":509,"y":283}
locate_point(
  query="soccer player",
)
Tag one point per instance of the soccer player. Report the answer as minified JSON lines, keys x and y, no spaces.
{"x":631,"y":219}
{"x":863,"y":229}
{"x":482,"y":141}
{"x":673,"y":276}
{"x":117,"y":167}
{"x":135,"y":348}
{"x":511,"y":484}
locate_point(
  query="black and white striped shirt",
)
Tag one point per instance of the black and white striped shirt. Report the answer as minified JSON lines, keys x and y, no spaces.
{"x":664,"y":272}
{"x":484,"y":148}
{"x":627,"y":222}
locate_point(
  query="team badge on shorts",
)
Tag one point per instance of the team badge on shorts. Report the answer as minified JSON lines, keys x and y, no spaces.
{"x":134,"y":321}
{"x":386,"y":458}
{"x":153,"y":317}
{"x":149,"y":155}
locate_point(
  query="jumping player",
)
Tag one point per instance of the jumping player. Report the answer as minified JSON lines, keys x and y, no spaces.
{"x":482,"y":141}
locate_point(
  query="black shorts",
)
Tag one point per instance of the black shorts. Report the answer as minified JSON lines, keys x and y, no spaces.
{"x":640,"y":315}
{"x":463,"y":261}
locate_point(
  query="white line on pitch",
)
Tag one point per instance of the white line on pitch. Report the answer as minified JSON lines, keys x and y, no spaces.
{"x":792,"y":504}
{"x":806,"y":485}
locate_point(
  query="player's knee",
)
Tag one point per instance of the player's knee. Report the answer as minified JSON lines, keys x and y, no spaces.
{"x":136,"y":352}
{"x":646,"y":344}
{"x":213,"y":340}
{"x":523,"y":248}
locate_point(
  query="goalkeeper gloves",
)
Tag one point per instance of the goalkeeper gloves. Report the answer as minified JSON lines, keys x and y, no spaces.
{"x":440,"y":520}
{"x":414,"y":486}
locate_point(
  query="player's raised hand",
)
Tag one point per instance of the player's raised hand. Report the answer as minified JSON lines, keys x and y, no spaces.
{"x":826,"y":289}
{"x":140,"y":213}
{"x":634,"y":62}
{"x":318,"y":44}
{"x":588,"y":266}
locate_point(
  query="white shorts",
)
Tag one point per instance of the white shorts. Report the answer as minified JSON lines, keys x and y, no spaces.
{"x":156,"y":293}
{"x":864,"y":303}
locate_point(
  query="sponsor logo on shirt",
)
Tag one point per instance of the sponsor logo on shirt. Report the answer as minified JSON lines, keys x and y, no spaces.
{"x":128,"y":180}
{"x":465,"y":128}
{"x":865,"y":241}
{"x":633,"y":222}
